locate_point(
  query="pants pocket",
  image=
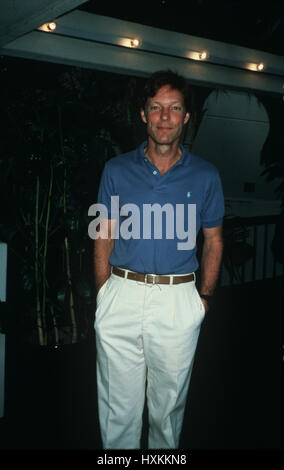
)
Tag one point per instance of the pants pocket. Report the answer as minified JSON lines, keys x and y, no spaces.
{"x":200,"y":303}
{"x":101,"y":292}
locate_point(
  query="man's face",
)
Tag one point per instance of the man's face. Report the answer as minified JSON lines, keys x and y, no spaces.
{"x":165,"y":116}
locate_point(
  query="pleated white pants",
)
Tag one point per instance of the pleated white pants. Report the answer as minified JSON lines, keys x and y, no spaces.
{"x":144,"y":333}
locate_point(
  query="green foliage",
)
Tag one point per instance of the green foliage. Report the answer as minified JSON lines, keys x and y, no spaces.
{"x":55,"y":141}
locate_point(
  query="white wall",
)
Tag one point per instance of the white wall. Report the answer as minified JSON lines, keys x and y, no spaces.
{"x":231,"y":135}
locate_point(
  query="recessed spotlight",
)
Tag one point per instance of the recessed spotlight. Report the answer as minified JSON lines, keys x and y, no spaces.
{"x":135,"y":42}
{"x":48,"y":27}
{"x":51,"y":26}
{"x":129,"y":42}
{"x":203,"y":55}
{"x":255,"y":67}
{"x":194,"y":55}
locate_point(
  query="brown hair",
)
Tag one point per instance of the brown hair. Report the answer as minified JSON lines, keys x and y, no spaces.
{"x":162,"y":78}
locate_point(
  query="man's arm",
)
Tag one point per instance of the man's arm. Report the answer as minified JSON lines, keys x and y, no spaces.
{"x":103,"y":247}
{"x":210,"y":261}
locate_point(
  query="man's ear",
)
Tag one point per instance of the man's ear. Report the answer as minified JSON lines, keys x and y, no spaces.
{"x":186,"y":118}
{"x":143,"y":116}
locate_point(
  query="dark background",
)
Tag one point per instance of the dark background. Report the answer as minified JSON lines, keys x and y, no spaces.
{"x":235,"y":399}
{"x":249,"y":23}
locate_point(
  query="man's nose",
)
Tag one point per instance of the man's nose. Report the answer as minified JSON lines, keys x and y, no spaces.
{"x":165,"y":114}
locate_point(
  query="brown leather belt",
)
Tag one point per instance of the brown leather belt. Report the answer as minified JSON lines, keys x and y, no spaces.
{"x":152,"y":278}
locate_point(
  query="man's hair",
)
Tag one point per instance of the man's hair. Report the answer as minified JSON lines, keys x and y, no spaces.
{"x":162,"y":78}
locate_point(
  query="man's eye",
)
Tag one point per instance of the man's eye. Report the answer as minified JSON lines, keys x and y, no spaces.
{"x":154,"y":107}
{"x":176,"y":108}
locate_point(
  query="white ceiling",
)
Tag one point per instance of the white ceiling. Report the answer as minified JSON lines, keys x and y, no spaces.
{"x":93,"y":41}
{"x":18,"y":17}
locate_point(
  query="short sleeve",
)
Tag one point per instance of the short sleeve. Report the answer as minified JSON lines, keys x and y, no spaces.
{"x":213,"y":210}
{"x":107,"y":191}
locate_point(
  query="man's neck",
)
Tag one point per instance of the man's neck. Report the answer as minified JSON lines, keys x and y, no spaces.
{"x":163,"y":156}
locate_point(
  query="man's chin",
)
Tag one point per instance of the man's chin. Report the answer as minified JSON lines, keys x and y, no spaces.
{"x":165,"y":139}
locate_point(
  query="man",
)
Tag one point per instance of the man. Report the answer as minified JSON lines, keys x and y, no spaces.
{"x":149,"y":312}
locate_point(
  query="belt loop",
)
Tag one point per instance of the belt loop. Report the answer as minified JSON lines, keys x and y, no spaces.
{"x":194,"y":277}
{"x":125,"y":274}
{"x":171,"y":280}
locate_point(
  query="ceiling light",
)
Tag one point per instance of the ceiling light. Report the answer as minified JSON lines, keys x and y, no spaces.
{"x":48,"y":27}
{"x":135,"y":42}
{"x":129,"y":42}
{"x":203,"y":55}
{"x":51,"y":26}
{"x":255,"y":67}
{"x":194,"y":55}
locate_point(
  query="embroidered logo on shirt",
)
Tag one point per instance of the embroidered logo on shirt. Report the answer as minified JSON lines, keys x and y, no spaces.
{"x":188,"y":194}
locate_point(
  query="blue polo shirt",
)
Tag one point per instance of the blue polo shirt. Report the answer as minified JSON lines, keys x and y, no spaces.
{"x":138,"y":184}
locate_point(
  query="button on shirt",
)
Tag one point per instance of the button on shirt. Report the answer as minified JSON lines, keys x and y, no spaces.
{"x":157,"y":213}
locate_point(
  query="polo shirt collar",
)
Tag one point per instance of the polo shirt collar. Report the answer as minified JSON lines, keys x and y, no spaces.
{"x":184,"y":159}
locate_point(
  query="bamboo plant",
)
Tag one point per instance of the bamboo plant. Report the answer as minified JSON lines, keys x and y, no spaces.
{"x":55,"y":140}
{"x":40,"y":202}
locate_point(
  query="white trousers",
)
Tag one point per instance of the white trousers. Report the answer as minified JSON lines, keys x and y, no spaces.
{"x":144,"y":333}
